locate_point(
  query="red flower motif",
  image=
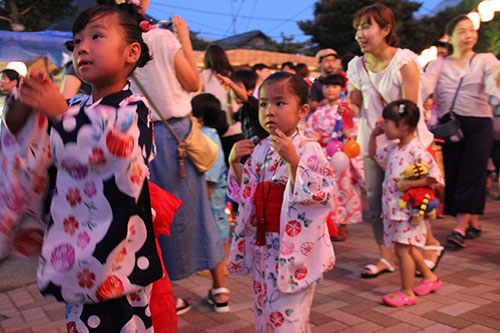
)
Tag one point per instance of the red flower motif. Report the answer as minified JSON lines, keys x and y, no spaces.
{"x":235,"y":267}
{"x":73,"y":196}
{"x":83,"y":240}
{"x":6,"y":225}
{"x":306,"y":248}
{"x":97,"y":157}
{"x":241,"y":246}
{"x":319,"y":196}
{"x":136,"y":176}
{"x":293,"y":228}
{"x":112,"y":287}
{"x":70,"y":225}
{"x":134,"y":297}
{"x":247,"y":190}
{"x":89,"y":189}
{"x":276,"y":319}
{"x":120,"y":145}
{"x":274,"y":165}
{"x":85,"y":278}
{"x":71,"y":327}
{"x":300,"y":273}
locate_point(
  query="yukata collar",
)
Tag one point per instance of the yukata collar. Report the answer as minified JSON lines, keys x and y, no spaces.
{"x":113,"y":99}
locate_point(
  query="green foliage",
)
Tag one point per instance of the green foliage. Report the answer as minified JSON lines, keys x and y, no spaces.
{"x":35,"y":15}
{"x":332,"y":25}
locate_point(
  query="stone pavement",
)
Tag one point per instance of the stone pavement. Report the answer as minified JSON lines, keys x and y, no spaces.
{"x":468,"y":302}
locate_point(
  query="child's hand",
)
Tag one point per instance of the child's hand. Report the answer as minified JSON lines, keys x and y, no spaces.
{"x":379,"y":128}
{"x":403,"y":185}
{"x":283,"y":145}
{"x":40,"y":93}
{"x":240,"y":149}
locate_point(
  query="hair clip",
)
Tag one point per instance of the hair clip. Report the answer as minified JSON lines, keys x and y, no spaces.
{"x":401,"y":109}
{"x":132,"y":2}
{"x":145,"y":26}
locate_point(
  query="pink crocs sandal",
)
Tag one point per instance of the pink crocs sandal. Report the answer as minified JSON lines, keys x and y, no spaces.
{"x":397,"y":299}
{"x":425,"y":287}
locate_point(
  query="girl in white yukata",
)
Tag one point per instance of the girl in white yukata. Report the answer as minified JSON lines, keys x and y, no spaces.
{"x":400,"y":122}
{"x":99,"y":254}
{"x":285,"y":197}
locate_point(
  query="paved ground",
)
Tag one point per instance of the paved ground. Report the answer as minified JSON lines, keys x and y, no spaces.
{"x":468,"y":302}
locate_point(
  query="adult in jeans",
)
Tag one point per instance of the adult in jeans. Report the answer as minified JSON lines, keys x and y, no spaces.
{"x":465,"y":163}
{"x":384,"y":74}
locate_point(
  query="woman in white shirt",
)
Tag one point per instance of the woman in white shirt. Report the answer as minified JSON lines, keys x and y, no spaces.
{"x":384,"y":74}
{"x":465,"y":162}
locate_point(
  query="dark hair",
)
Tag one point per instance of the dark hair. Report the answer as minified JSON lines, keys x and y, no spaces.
{"x":129,"y":24}
{"x":259,"y":67}
{"x":383,"y":16}
{"x":207,"y":107}
{"x":11,"y":74}
{"x":287,"y":64}
{"x":402,"y":109}
{"x":216,"y":59}
{"x":302,"y":70}
{"x":333,"y":80}
{"x":248,"y":78}
{"x":450,"y":26}
{"x":296,"y":85}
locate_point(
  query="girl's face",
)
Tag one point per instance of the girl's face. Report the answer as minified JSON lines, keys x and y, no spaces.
{"x":279,"y":108}
{"x":464,"y":36}
{"x":370,"y":35}
{"x":392,"y":130}
{"x":101,"y":54}
{"x":332,"y":92}
{"x":6,"y":84}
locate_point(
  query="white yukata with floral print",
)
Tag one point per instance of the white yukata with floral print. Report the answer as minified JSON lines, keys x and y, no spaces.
{"x":287,"y":268}
{"x":397,"y":226}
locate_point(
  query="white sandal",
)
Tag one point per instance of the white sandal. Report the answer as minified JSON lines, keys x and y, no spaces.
{"x":219,"y":307}
{"x":440,"y":252}
{"x":375,"y":271}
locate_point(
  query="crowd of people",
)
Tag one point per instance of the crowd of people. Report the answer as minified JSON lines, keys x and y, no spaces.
{"x":122,"y":210}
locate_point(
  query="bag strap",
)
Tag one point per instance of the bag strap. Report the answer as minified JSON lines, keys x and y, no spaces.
{"x":181,"y":146}
{"x":382,"y":99}
{"x":458,"y":88}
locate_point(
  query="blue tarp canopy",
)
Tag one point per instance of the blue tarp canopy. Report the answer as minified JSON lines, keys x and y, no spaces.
{"x":24,"y":46}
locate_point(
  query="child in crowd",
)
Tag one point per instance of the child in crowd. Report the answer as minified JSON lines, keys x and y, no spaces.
{"x":324,"y":125}
{"x":207,"y":109}
{"x":99,"y":254}
{"x":285,"y":196}
{"x":400,"y":122}
{"x":262,"y":71}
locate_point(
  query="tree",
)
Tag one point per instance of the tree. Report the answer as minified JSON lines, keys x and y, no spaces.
{"x":32,"y":15}
{"x":332,"y":25}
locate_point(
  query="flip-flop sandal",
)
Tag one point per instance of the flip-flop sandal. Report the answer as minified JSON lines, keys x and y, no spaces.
{"x":375,"y":271}
{"x":429,"y":263}
{"x":219,"y":307}
{"x":182,"y":306}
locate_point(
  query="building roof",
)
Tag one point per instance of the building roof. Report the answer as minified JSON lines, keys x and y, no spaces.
{"x":241,"y":39}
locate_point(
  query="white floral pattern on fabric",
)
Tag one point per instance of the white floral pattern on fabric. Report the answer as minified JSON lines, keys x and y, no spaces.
{"x":397,"y":228}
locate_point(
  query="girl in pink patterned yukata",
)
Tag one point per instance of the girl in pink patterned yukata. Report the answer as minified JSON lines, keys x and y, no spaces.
{"x":286,"y":194}
{"x":399,"y":123}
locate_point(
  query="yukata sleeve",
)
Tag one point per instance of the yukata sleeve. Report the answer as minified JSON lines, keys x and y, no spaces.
{"x":306,"y":251}
{"x":241,"y":251}
{"x":434,"y":172}
{"x":25,"y":159}
{"x":382,"y":156}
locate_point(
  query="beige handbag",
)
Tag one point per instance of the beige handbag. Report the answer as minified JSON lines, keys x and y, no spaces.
{"x":197,"y":147}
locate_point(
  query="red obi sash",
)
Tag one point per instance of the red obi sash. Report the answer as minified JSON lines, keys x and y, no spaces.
{"x":268,"y":199}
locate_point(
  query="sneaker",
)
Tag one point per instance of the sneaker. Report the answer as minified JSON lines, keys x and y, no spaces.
{"x":457,"y":239}
{"x":182,"y":306}
{"x":472,"y":233}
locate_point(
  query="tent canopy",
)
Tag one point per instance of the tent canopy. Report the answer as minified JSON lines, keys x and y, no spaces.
{"x":24,"y":46}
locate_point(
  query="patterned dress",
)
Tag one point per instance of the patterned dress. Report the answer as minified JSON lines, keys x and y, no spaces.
{"x":25,"y":158}
{"x":286,"y":269}
{"x":397,"y":226}
{"x":99,"y":254}
{"x":327,"y":122}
